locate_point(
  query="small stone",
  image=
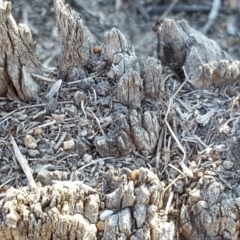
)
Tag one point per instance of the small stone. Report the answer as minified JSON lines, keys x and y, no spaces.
{"x":97,"y":49}
{"x":33,"y":153}
{"x":100,"y":226}
{"x":134,"y":175}
{"x":37,"y":131}
{"x":87,"y":158}
{"x":199,"y":174}
{"x":58,"y":117}
{"x":84,"y":133}
{"x":228,"y":165}
{"x":23,"y":117}
{"x":68,"y":144}
{"x":30,"y":142}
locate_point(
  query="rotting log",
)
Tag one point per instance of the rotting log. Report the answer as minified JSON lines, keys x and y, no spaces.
{"x":18,"y":59}
{"x":139,"y":205}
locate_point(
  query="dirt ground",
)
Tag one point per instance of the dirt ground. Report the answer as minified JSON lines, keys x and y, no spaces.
{"x":135,"y":20}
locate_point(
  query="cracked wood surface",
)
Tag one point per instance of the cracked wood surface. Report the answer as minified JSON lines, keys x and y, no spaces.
{"x":137,"y":207}
{"x":18,"y":59}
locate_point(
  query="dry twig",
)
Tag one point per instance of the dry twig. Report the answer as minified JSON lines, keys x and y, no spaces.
{"x":23,"y":163}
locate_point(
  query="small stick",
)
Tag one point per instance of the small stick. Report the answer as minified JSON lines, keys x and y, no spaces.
{"x":60,"y":141}
{"x":39,"y":77}
{"x":169,"y":9}
{"x":170,"y":198}
{"x":59,"y":132}
{"x":23,"y":162}
{"x":167,"y":155}
{"x":83,"y":109}
{"x":97,"y":120}
{"x":159,"y":147}
{"x":95,"y":95}
{"x":77,"y":81}
{"x":173,"y":182}
{"x":2,"y":195}
{"x":43,"y":125}
{"x":94,"y":162}
{"x":216,"y":5}
{"x":9,"y":180}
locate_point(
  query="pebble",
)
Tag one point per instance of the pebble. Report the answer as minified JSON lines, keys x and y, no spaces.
{"x":100,"y":226}
{"x":228,"y":165}
{"x":30,"y":142}
{"x":69,"y":144}
{"x":33,"y":153}
{"x":84,"y":133}
{"x":87,"y":158}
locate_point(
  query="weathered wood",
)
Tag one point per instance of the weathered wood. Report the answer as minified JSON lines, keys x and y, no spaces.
{"x":128,"y":90}
{"x":130,"y":131}
{"x":68,"y":211}
{"x":76,"y":42}
{"x":53,"y":212}
{"x":18,"y":59}
{"x":153,"y":80}
{"x":180,"y":46}
{"x":120,"y":54}
{"x":211,"y":212}
{"x":138,"y":205}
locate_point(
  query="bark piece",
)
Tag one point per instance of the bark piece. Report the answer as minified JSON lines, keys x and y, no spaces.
{"x":18,"y":59}
{"x":76,"y":41}
{"x":128,"y":91}
{"x":119,"y":54}
{"x":134,"y":131}
{"x":91,"y":208}
{"x":181,"y":46}
{"x":153,"y":78}
{"x":140,"y":215}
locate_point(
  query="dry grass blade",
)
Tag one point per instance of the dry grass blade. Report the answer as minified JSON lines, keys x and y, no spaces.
{"x":23,"y":163}
{"x":185,"y":169}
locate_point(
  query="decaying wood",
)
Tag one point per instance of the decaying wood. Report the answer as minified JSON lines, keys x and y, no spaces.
{"x":18,"y":59}
{"x":153,"y":73}
{"x":123,"y":112}
{"x":76,"y":42}
{"x":205,"y":63}
{"x":69,"y":211}
{"x":53,"y":212}
{"x":211,"y":212}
